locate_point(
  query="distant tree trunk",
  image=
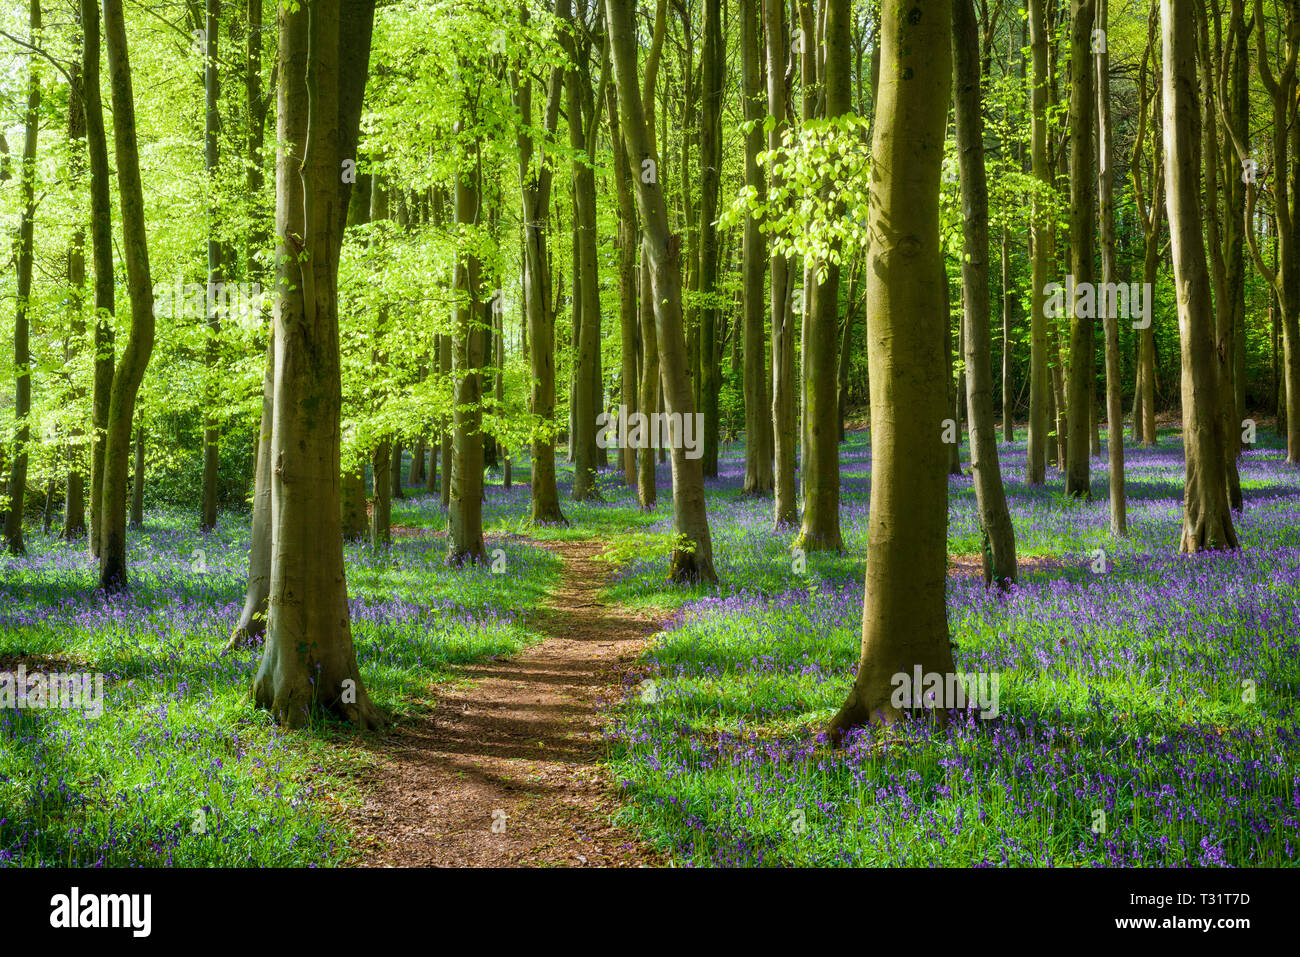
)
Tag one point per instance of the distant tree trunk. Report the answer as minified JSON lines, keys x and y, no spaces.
{"x":1008,"y":406}
{"x":212,"y":354}
{"x":381,"y":501}
{"x":416,"y":474}
{"x":821,"y":464}
{"x":444,"y":348}
{"x":995,"y":518}
{"x":137,"y":480}
{"x":692,"y":558}
{"x":1207,"y":519}
{"x":74,"y":512}
{"x":395,"y":470}
{"x":535,"y":185}
{"x":354,"y":505}
{"x":1110,"y":315}
{"x":1083,"y":221}
{"x":1039,"y":385}
{"x":758,"y":451}
{"x":252,"y":618}
{"x":904,"y":617}
{"x":465,"y":515}
{"x":785,"y":507}
{"x":308,"y":659}
{"x":586,"y":279}
{"x":24,"y":254}
{"x":139,"y":346}
{"x":627,"y":283}
{"x":713,"y":75}
{"x":101,"y":236}
{"x":1238,"y":118}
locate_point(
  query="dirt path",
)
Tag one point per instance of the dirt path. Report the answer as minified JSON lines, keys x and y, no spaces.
{"x":506,"y":770}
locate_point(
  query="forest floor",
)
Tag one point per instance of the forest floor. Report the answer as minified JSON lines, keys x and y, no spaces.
{"x":505,"y":770}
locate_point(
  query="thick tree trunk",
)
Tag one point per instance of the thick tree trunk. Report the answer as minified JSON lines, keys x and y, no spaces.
{"x":309,"y":662}
{"x":904,"y":617}
{"x":139,"y":346}
{"x":995,"y":518}
{"x":627,"y":284}
{"x":74,"y":512}
{"x":1207,"y":518}
{"x":692,"y":558}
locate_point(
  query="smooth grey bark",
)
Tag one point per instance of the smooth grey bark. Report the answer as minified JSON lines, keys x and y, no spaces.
{"x":758,"y":431}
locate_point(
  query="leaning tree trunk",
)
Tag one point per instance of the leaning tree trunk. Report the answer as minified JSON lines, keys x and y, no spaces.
{"x":1207,"y":518}
{"x":139,"y":345}
{"x":785,"y":507}
{"x":995,"y":518}
{"x":904,"y":616}
{"x":22,"y":315}
{"x":252,"y":618}
{"x":308,"y":659}
{"x":1083,"y":214}
{"x":692,"y":558}
{"x":758,"y":432}
{"x":1110,"y":315}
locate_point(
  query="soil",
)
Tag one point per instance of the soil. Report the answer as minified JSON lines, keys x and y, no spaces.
{"x":506,"y":769}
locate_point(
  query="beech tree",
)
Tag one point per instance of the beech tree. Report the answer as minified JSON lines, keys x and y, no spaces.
{"x":904,"y":618}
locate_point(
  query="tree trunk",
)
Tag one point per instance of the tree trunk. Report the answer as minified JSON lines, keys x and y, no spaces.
{"x":692,"y":558}
{"x":535,"y":184}
{"x":713,"y":76}
{"x":465,"y":515}
{"x":24,"y":254}
{"x":1083,"y":213}
{"x":101,"y":236}
{"x":139,"y":346}
{"x":1110,"y":315}
{"x":904,"y":616}
{"x":1207,"y":519}
{"x":211,"y":156}
{"x":309,"y":662}
{"x":785,"y":507}
{"x":821,"y":466}
{"x":995,"y":518}
{"x":1039,"y":386}
{"x":758,"y":452}
{"x":137,"y":479}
